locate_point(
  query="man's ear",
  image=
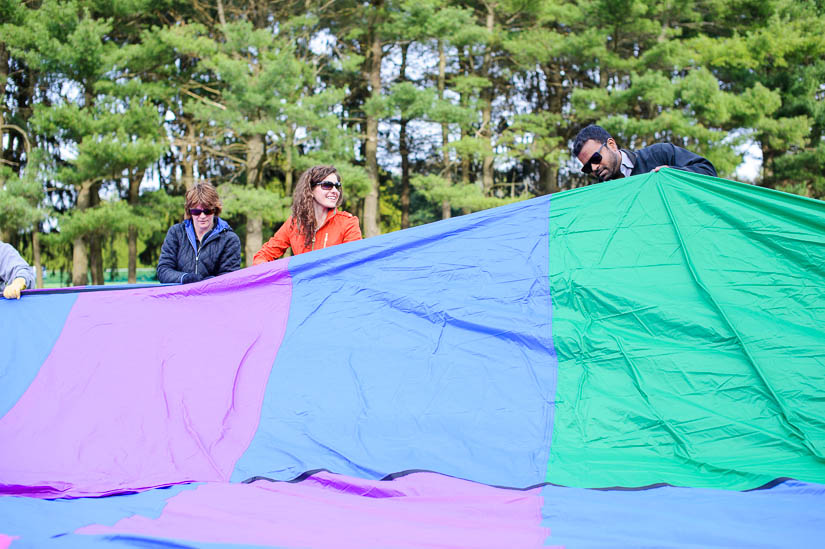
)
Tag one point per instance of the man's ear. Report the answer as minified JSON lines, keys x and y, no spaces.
{"x":611,"y":144}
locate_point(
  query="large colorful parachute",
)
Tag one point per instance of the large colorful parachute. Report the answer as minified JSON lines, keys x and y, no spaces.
{"x":638,"y":363}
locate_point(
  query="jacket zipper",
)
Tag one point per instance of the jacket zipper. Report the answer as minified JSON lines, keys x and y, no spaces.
{"x":315,"y":237}
{"x":200,"y":247}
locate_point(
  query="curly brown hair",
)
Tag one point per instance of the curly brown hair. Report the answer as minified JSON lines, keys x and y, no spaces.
{"x":203,"y":194}
{"x":303,"y":210}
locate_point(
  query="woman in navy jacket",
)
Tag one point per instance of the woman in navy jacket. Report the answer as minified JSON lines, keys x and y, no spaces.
{"x":201,"y":246}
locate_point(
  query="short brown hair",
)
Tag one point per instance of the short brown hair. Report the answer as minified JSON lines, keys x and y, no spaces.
{"x":205,"y":195}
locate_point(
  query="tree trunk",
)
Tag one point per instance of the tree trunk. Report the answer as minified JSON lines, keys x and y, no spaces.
{"x":95,"y":243}
{"x":404,"y":150}
{"x":254,"y":222}
{"x":254,"y":237}
{"x":80,"y":263}
{"x":768,"y":178}
{"x":4,"y":75}
{"x":405,"y":176}
{"x":38,"y":269}
{"x":188,"y":155}
{"x":17,"y":142}
{"x":487,"y":172}
{"x":446,"y":208}
{"x":548,"y":177}
{"x":371,"y":227}
{"x":288,"y":167}
{"x":7,"y":145}
{"x":132,"y":236}
{"x":464,"y":101}
{"x":556,"y":100}
{"x":254,"y":159}
{"x":221,"y":14}
{"x":80,"y":258}
{"x":487,"y":108}
{"x":96,"y":260}
{"x":87,"y":197}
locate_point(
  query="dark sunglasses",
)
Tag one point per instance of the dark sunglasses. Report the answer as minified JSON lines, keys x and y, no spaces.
{"x":595,"y":159}
{"x":327,"y":185}
{"x":195,"y":212}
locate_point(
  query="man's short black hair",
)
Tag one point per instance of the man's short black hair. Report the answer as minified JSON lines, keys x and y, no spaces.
{"x":594,"y":132}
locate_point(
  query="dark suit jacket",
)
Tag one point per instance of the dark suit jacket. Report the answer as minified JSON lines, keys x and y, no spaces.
{"x":665,"y":154}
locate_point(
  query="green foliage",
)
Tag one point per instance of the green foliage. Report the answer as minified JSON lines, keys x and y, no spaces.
{"x":12,"y":11}
{"x":108,"y":92}
{"x":19,"y":200}
{"x":389,"y":208}
{"x":468,"y":197}
{"x":252,"y":201}
{"x":410,"y":101}
{"x":61,"y":38}
{"x":107,"y":218}
{"x":156,"y":211}
{"x":355,"y":181}
{"x":533,"y":136}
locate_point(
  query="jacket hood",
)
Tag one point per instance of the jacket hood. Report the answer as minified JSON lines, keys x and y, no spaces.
{"x":220,"y":226}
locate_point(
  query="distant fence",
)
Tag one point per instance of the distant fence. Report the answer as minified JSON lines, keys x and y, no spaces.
{"x":58,"y":279}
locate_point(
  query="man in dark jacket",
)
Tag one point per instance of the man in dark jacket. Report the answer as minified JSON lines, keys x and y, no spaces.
{"x":601,"y":156}
{"x":201,"y":246}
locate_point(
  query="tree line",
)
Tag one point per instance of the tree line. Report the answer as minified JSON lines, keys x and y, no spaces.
{"x":111,"y":110}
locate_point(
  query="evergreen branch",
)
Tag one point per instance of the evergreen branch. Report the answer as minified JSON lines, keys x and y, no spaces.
{"x":22,"y":132}
{"x":203,"y":99}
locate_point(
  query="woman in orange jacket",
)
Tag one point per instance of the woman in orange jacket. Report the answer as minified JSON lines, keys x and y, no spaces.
{"x":315,"y":222}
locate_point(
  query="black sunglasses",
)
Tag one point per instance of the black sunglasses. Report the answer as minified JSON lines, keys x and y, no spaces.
{"x":195,"y":212}
{"x":327,"y":185}
{"x":595,"y":159}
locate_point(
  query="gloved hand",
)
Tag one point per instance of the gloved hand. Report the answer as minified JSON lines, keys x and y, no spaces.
{"x":191,"y":277}
{"x":12,"y":291}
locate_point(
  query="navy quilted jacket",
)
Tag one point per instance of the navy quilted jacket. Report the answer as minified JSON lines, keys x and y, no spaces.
{"x":182,"y":260}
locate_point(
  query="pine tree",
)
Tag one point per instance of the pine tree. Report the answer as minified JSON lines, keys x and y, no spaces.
{"x":108,"y":135}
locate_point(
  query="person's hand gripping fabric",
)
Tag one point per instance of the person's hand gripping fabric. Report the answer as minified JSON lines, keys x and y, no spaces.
{"x":12,"y":291}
